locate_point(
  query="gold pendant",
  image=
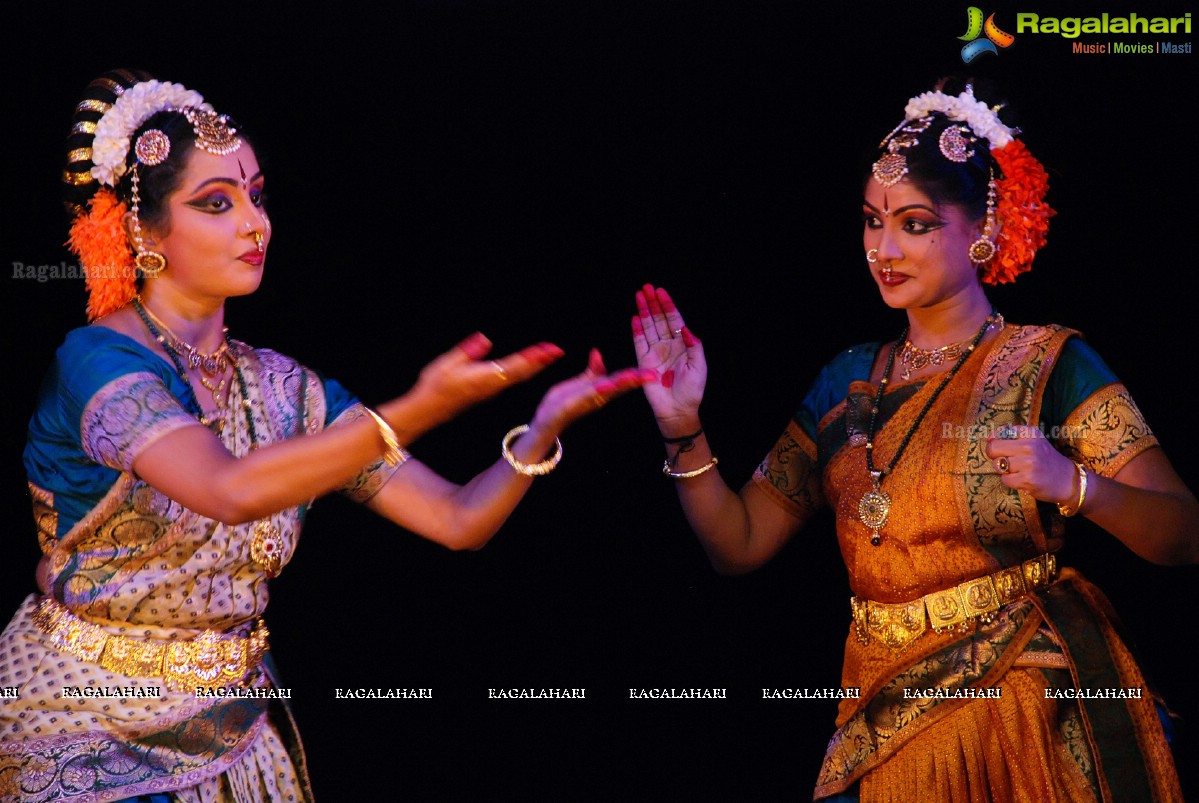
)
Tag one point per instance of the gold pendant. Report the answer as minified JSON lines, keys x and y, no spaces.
{"x":266,"y":548}
{"x":874,"y":508}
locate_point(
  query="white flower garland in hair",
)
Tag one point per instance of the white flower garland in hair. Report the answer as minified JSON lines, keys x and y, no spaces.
{"x":135,"y":106}
{"x":983,"y":120}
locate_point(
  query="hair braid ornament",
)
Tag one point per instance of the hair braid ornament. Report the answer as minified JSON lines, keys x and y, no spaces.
{"x":1017,"y":198}
{"x":98,"y":235}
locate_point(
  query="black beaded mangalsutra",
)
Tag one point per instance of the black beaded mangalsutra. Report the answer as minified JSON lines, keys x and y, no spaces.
{"x":875,"y":505}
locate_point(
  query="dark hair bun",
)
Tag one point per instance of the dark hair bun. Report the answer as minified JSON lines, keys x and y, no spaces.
{"x":79,"y":185}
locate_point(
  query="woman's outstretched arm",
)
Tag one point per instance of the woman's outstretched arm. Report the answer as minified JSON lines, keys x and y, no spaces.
{"x":192,"y":466}
{"x":739,"y":531}
{"x":467,"y":516}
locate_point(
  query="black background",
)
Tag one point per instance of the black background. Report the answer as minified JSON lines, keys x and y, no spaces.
{"x":521,"y":168}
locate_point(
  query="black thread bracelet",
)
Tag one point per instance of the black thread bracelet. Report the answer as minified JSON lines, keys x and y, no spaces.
{"x":685,"y":438}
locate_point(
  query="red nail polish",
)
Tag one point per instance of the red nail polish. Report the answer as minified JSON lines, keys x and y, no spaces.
{"x":475,"y":346}
{"x":668,"y":379}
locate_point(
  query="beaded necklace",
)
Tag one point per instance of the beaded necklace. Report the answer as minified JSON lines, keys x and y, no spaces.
{"x":266,"y":547}
{"x":875,"y":506}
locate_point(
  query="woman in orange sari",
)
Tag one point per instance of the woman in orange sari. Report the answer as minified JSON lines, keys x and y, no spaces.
{"x":951,"y":457}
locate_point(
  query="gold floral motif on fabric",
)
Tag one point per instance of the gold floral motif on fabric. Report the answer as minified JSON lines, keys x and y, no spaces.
{"x":1007,"y":392}
{"x":1106,"y":431}
{"x":46,"y":518}
{"x":974,"y":662}
{"x":789,"y":474}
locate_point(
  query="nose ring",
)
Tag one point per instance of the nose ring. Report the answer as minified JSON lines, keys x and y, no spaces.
{"x":872,"y":256}
{"x":258,"y":241}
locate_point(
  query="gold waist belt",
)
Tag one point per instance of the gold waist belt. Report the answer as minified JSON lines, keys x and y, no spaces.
{"x":209,"y":659}
{"x":898,"y":625}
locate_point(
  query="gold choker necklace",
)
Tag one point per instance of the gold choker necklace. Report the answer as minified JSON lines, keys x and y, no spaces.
{"x":913,"y":358}
{"x":209,"y":364}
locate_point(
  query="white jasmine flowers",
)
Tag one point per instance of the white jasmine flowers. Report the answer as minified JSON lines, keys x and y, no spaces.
{"x":136,"y":105}
{"x":983,"y":121}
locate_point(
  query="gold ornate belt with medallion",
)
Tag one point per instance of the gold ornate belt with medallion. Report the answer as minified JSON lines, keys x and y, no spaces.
{"x":209,"y":659}
{"x":899,"y":624}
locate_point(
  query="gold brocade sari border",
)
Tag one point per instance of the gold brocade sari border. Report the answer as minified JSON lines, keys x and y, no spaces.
{"x":65,"y":761}
{"x":1107,"y":430}
{"x":791,"y":490}
{"x":45,"y":516}
{"x":1088,"y":631}
{"x":1008,"y":391}
{"x":890,"y":718}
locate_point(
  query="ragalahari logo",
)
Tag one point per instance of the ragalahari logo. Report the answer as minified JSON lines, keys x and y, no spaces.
{"x":976,"y":43}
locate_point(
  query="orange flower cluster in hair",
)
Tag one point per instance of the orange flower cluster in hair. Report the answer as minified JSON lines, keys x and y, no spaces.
{"x":1021,"y":211}
{"x":98,"y":239}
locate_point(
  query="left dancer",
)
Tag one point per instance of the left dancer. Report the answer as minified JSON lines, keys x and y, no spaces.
{"x":171,"y":467}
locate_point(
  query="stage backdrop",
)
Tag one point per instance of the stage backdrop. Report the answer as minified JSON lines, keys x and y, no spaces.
{"x":436,"y":168}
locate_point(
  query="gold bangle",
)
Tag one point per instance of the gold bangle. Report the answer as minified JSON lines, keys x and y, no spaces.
{"x":1082,"y":493}
{"x":529,"y":469}
{"x":682,"y":475}
{"x":395,"y":455}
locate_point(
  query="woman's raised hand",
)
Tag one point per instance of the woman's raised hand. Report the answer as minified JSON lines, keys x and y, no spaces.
{"x":585,"y":393}
{"x":664,"y":344}
{"x":462,"y":377}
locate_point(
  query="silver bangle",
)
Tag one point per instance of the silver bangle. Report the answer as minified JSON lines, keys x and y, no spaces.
{"x":529,"y":469}
{"x":682,"y":475}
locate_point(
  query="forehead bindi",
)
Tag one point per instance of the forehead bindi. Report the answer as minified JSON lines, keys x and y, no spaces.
{"x":900,"y":196}
{"x":237,"y":169}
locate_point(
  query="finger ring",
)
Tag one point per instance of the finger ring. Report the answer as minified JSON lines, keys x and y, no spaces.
{"x":1007,"y":433}
{"x":677,"y":332}
{"x":872,"y":256}
{"x":599,"y":400}
{"x":1002,"y":465}
{"x":499,"y":369}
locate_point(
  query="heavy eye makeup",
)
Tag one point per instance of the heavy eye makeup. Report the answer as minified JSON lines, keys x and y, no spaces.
{"x":918,"y":225}
{"x":219,"y":201}
{"x":911,"y":222}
